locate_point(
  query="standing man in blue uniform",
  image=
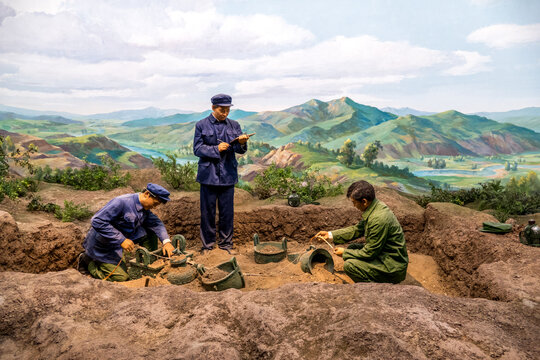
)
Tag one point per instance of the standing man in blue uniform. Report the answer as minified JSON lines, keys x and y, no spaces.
{"x":125,"y":221}
{"x":217,"y":172}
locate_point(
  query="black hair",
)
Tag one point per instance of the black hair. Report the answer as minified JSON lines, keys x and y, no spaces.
{"x":361,"y":190}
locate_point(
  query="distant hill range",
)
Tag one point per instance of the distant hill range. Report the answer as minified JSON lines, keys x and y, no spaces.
{"x":48,"y":154}
{"x":182,"y":118}
{"x":331,"y":123}
{"x":122,"y":115}
{"x":448,"y":133}
{"x":328,"y":123}
{"x":54,"y":118}
{"x":63,"y":150}
{"x":527,"y":117}
{"x":406,"y":111}
{"x":91,"y":147}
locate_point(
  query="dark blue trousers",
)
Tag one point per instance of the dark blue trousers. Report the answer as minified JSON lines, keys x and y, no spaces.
{"x":224,"y":196}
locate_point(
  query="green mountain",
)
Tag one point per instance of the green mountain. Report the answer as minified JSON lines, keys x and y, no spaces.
{"x":161,"y":138}
{"x":52,"y":118}
{"x":92,"y":146}
{"x":527,"y":117}
{"x":316,"y":121}
{"x":448,"y":133}
{"x":182,"y":118}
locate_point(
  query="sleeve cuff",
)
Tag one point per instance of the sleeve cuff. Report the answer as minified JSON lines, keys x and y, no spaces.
{"x":330,"y":236}
{"x":166,"y":241}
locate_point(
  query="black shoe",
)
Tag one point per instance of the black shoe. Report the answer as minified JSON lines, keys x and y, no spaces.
{"x":82,"y":263}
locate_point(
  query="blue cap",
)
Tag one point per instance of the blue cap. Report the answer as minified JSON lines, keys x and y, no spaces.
{"x":158,"y":192}
{"x":221,"y":100}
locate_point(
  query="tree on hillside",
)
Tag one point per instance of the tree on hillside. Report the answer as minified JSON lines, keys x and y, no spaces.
{"x":347,"y":153}
{"x":8,"y":152}
{"x":371,"y":151}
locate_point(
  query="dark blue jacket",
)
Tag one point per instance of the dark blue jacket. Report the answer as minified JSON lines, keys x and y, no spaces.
{"x":217,"y":168}
{"x":122,"y":218}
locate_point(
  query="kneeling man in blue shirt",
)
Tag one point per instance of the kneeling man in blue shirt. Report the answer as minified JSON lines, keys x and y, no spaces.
{"x":125,"y":221}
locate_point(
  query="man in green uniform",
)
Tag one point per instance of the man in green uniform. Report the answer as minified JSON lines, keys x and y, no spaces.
{"x":383,"y":257}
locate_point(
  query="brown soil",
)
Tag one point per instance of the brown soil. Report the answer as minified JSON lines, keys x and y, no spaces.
{"x":64,"y":315}
{"x":297,"y":315}
{"x":214,"y":274}
{"x":269,"y":249}
{"x":145,"y":281}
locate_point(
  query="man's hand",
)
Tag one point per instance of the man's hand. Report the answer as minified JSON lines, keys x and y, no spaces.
{"x":242,"y":139}
{"x":168,"y":249}
{"x":127,"y":245}
{"x":321,"y":234}
{"x":339,"y":251}
{"x":223,"y":146}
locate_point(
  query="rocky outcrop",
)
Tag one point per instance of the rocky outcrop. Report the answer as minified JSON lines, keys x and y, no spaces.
{"x":283,"y":157}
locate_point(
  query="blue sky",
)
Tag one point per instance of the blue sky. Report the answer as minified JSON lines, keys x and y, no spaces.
{"x":97,"y":56}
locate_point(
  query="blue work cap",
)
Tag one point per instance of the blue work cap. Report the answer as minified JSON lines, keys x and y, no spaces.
{"x":221,"y":100}
{"x":158,"y":192}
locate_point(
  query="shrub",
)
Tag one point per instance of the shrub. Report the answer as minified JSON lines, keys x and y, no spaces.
{"x":90,"y":177}
{"x":69,"y":213}
{"x":15,"y":188}
{"x":519,"y":197}
{"x":72,"y":211}
{"x":280,"y":182}
{"x":179,"y":176}
{"x":244,"y":186}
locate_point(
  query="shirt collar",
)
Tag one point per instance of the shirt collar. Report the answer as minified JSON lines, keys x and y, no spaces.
{"x":138,"y":204}
{"x":369,"y":209}
{"x":216,"y":121}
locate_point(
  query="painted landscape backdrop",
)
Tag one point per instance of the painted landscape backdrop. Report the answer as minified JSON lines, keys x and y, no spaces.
{"x":451,"y":148}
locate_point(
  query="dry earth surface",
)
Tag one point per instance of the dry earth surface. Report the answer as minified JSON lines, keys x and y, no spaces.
{"x":478,"y":297}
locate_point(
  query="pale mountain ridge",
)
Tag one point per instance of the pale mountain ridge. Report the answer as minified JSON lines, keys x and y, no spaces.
{"x":448,"y":133}
{"x":406,"y":111}
{"x":527,"y":117}
{"x":123,"y":115}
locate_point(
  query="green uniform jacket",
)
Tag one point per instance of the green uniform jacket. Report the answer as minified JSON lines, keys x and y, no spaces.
{"x":384,"y":255}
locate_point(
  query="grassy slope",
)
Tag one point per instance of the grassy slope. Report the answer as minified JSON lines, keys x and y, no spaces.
{"x":328,"y":165}
{"x":92,"y":147}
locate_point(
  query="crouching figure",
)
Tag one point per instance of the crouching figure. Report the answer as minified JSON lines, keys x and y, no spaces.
{"x":125,"y":221}
{"x":383,"y":257}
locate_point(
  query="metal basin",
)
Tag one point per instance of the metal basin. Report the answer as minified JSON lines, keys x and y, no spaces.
{"x":316,"y":255}
{"x":270,"y":251}
{"x":232,"y":279}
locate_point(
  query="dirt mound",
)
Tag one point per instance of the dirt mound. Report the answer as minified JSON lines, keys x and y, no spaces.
{"x":273,"y":221}
{"x":474,"y":263}
{"x":495,"y":266}
{"x":67,"y":316}
{"x":46,"y":247}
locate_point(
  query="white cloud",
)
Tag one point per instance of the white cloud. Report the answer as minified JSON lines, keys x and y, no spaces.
{"x":506,"y":35}
{"x":5,"y":11}
{"x":318,"y":87}
{"x":101,"y":30}
{"x":45,"y":6}
{"x":473,"y":63}
{"x":356,"y":56}
{"x":175,"y":53}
